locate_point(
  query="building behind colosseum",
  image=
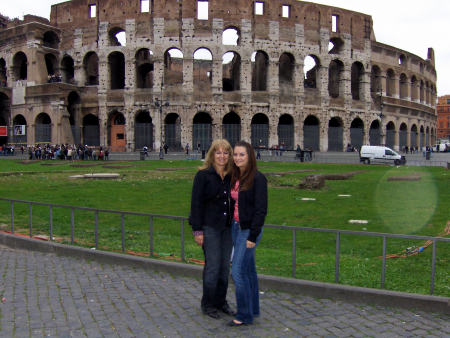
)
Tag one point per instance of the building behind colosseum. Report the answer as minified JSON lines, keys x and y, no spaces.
{"x":129,"y":73}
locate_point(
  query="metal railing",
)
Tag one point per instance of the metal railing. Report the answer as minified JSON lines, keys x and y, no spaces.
{"x":182,"y":220}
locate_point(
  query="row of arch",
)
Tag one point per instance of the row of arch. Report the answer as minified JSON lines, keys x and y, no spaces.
{"x":202,"y":131}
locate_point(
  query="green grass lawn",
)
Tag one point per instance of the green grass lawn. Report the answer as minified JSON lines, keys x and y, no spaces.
{"x":163,"y":187}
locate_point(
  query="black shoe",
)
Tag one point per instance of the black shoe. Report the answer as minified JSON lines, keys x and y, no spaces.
{"x":234,"y":324}
{"x":212,"y":313}
{"x":228,"y":310}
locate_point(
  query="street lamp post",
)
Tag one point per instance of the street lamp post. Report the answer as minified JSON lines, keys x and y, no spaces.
{"x":159,"y":104}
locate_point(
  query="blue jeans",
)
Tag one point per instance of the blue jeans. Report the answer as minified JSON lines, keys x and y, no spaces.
{"x":244,"y":275}
{"x":217,"y":248}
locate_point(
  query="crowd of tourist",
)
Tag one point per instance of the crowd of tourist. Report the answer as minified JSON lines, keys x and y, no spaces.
{"x":67,"y":152}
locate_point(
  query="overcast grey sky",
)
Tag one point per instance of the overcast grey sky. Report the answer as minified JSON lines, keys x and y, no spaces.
{"x":411,"y":25}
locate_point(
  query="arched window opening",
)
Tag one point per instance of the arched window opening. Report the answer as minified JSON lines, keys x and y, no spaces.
{"x":334,"y":78}
{"x":231,"y":72}
{"x":286,"y":132}
{"x":335,"y":135}
{"x":260,"y":131}
{"x":403,"y":86}
{"x":51,"y":40}
{"x":74,"y":109}
{"x":144,"y":68}
{"x":117,"y":37}
{"x":90,"y":65}
{"x":20,"y":66}
{"x":260,"y":70}
{"x":3,"y":73}
{"x":231,"y":36}
{"x":143,"y":130}
{"x":311,"y":71}
{"x":286,"y":71}
{"x":202,"y":131}
{"x":173,"y":67}
{"x":357,"y":75}
{"x":414,"y":89}
{"x":375,"y":81}
{"x":311,"y":133}
{"x":67,"y":70}
{"x":91,"y":130}
{"x":52,"y":67}
{"x":116,"y":61}
{"x":202,"y":70}
{"x":422,"y":91}
{"x":402,"y":60}
{"x":335,"y":46}
{"x":390,"y":83}
{"x":43,"y":128}
{"x":231,"y":128}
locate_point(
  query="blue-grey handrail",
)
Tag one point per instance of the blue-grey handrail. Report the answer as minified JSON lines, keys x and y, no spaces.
{"x":182,"y":220}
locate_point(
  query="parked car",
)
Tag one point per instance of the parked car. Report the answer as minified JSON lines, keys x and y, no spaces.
{"x":380,"y":154}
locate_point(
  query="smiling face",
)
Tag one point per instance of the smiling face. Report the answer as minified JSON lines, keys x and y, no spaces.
{"x":221,"y":157}
{"x":240,"y":157}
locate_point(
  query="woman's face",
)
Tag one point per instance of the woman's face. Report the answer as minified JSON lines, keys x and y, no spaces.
{"x":221,"y":157}
{"x":240,"y":157}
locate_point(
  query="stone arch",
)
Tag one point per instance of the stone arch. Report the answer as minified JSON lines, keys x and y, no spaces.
{"x":117,"y":139}
{"x":357,"y":78}
{"x":231,"y":72}
{"x":116,"y":62}
{"x":172,"y":131}
{"x":286,"y":72}
{"x":67,"y":69}
{"x":260,"y":130}
{"x":286,"y":131}
{"x":91,"y":130}
{"x":231,"y":128}
{"x":202,"y":72}
{"x":335,"y":45}
{"x":51,"y":63}
{"x":20,"y":129}
{"x":143,"y":130}
{"x":402,"y":60}
{"x":311,"y":133}
{"x":390,"y":135}
{"x":43,"y":128}
{"x":260,"y":70}
{"x":20,"y":66}
{"x":390,"y":83}
{"x":414,"y":89}
{"x":403,"y":136}
{"x":421,"y":138}
{"x":335,"y":70}
{"x":51,"y":40}
{"x":4,"y":116}
{"x":117,"y":36}
{"x":427,"y":136}
{"x":335,"y":134}
{"x":422,"y":92}
{"x":375,"y":81}
{"x":90,"y":66}
{"x":231,"y":36}
{"x":375,"y":133}
{"x":413,"y":136}
{"x":173,"y":67}
{"x":311,"y":71}
{"x":357,"y":133}
{"x":144,"y":68}
{"x":202,"y":130}
{"x":74,"y":109}
{"x":3,"y":73}
{"x":403,"y":86}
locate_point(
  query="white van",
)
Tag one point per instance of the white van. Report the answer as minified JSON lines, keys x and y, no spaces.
{"x":380,"y":154}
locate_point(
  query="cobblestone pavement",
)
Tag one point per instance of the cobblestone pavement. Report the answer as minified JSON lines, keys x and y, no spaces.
{"x":49,"y":295}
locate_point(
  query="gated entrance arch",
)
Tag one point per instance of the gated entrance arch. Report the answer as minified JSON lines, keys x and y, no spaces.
{"x":231,"y":128}
{"x":413,"y":136}
{"x":4,"y":116}
{"x":43,"y":129}
{"x":311,"y":133}
{"x":260,"y":130}
{"x":20,"y":131}
{"x":335,"y":135}
{"x":390,"y":135}
{"x":143,"y":130}
{"x":286,"y":131}
{"x":73,"y":107}
{"x":403,"y":135}
{"x":117,"y":136}
{"x":202,"y":130}
{"x":422,"y":138}
{"x":375,"y":133}
{"x":91,"y":130}
{"x":357,"y":133}
{"x":172,"y":128}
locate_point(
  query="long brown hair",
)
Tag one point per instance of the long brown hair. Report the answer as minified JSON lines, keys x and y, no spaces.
{"x":209,"y":158}
{"x":245,"y":178}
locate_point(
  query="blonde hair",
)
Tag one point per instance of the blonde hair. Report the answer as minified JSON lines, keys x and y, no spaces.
{"x":209,"y":159}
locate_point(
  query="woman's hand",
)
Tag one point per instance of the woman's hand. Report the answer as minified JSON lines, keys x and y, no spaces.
{"x":199,"y":239}
{"x":250,"y":245}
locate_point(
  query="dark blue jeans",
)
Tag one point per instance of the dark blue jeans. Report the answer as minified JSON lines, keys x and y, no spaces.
{"x":244,"y":275}
{"x":217,"y":248}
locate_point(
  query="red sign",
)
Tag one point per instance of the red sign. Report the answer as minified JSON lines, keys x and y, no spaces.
{"x":3,"y":131}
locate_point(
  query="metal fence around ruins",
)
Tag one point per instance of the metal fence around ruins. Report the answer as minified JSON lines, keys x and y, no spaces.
{"x":183,"y":220}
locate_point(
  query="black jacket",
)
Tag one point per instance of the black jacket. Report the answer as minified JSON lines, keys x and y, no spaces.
{"x":210,"y":203}
{"x":252,"y":205}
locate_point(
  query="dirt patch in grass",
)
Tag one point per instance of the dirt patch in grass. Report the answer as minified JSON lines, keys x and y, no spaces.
{"x":283,"y":173}
{"x":117,"y":166}
{"x":404,"y":178}
{"x":27,"y":161}
{"x":316,"y":182}
{"x":52,"y":163}
{"x":83,"y":165}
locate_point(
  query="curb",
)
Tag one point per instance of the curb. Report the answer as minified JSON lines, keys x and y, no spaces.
{"x":346,"y":293}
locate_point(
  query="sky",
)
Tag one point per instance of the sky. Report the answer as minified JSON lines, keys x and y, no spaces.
{"x":411,"y":25}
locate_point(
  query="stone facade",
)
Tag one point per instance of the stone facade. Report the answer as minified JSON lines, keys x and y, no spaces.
{"x":119,"y":74}
{"x":443,"y":122}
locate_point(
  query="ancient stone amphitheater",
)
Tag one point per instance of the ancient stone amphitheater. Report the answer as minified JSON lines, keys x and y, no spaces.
{"x":130,"y":73}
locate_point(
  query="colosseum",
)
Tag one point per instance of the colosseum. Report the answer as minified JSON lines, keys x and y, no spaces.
{"x":130,"y":73}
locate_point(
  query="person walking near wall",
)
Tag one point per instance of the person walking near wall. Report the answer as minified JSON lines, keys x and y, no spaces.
{"x":249,"y":193}
{"x":210,"y":218}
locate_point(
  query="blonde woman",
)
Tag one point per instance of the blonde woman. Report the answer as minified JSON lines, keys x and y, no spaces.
{"x":210,"y":218}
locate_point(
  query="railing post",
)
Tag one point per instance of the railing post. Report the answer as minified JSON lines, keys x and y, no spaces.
{"x":51,"y":222}
{"x":338,"y":253}
{"x":12,"y":217}
{"x":96,"y":229}
{"x":72,"y":226}
{"x":433,"y":267}
{"x":30,"y":221}
{"x":150,"y":230}
{"x":383,"y":268}
{"x":182,"y":241}
{"x":122,"y":226}
{"x":294,"y":252}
